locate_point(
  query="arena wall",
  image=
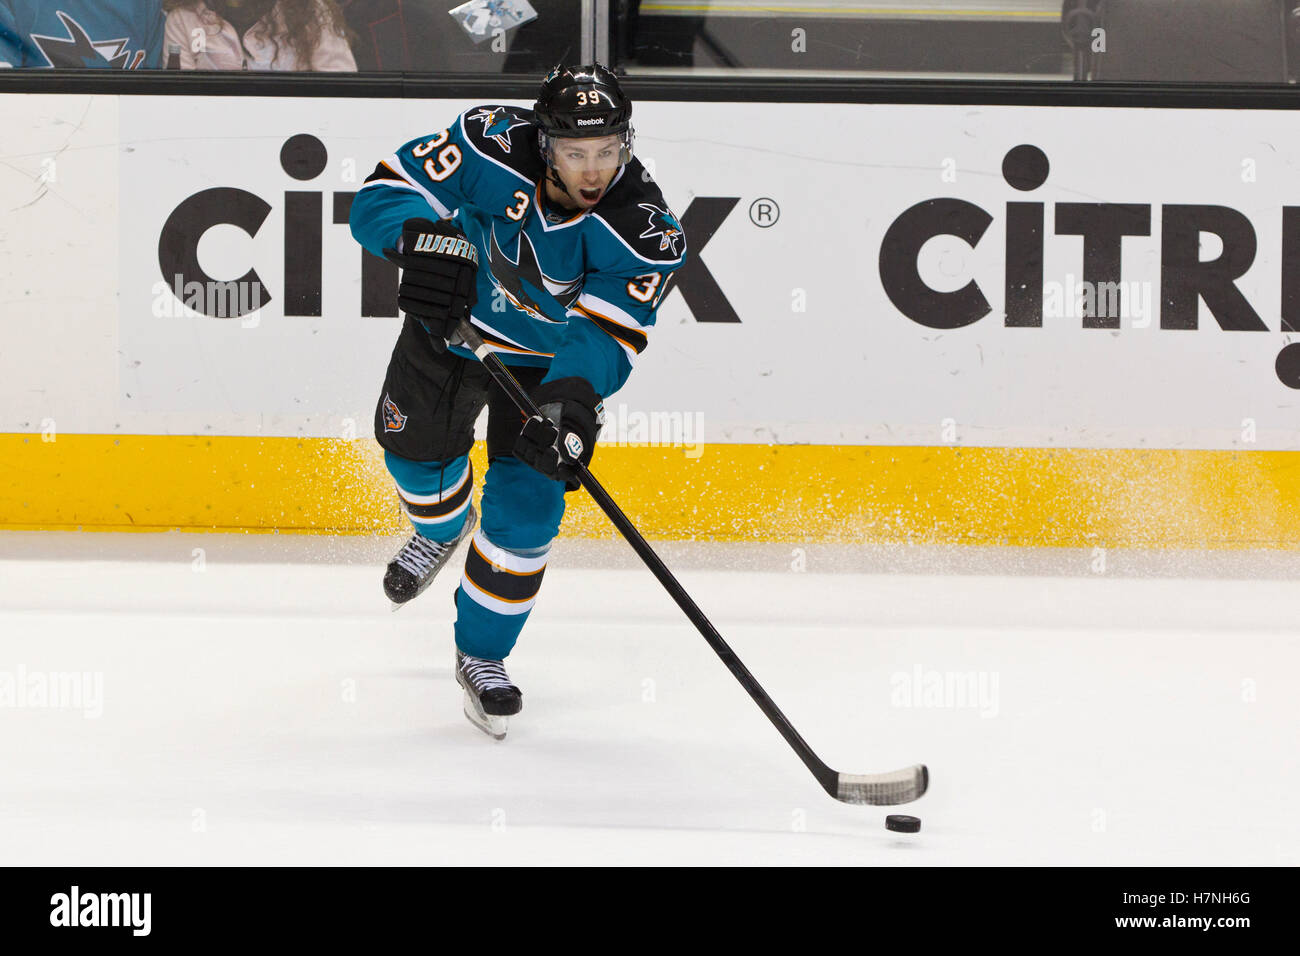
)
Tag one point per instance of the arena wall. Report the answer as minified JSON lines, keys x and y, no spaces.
{"x":859,"y":349}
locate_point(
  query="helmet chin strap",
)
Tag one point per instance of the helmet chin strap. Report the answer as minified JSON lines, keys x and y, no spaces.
{"x":552,"y":176}
{"x":557,"y":182}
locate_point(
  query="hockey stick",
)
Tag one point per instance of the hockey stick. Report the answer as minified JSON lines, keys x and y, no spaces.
{"x":876,"y":789}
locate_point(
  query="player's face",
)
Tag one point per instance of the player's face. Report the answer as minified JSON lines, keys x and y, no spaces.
{"x":586,"y":167}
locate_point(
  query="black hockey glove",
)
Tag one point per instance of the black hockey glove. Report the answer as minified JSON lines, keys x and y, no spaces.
{"x":565,"y":432}
{"x":439,"y":276}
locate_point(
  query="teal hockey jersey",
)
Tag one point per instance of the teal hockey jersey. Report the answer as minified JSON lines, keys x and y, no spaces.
{"x":572,"y":291}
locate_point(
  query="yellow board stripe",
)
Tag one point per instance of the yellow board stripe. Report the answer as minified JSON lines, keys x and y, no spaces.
{"x":847,"y":493}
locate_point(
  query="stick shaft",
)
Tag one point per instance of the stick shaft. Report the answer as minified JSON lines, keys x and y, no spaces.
{"x":505,"y":379}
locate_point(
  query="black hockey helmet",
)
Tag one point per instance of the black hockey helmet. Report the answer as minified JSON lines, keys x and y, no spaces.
{"x":579,"y":102}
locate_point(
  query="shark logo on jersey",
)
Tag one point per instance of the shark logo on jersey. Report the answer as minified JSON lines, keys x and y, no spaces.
{"x":497,"y":125}
{"x":394,"y":420}
{"x":77,"y":50}
{"x":509,"y":276}
{"x":664,"y":225}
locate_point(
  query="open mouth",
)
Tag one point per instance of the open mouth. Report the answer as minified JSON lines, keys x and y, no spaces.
{"x":591,"y":195}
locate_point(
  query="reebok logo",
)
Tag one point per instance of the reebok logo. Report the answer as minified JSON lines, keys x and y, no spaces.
{"x":599,"y":121}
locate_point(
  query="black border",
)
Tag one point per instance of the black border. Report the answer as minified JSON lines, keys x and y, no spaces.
{"x":338,"y":906}
{"x":685,"y":88}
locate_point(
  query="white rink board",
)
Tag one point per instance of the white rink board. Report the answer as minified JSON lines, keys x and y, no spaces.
{"x":79,"y":268}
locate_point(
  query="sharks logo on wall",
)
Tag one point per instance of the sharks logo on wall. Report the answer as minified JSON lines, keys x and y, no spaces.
{"x":77,"y":51}
{"x":509,"y":276}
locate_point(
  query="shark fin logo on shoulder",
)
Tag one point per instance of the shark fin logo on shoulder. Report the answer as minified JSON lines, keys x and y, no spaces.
{"x":664,"y":225}
{"x":497,"y":125}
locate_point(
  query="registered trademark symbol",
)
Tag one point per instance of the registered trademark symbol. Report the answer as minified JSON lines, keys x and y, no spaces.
{"x":764,"y":212}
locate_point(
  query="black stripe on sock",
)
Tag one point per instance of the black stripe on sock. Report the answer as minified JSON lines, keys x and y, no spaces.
{"x":498,"y":582}
{"x":440,"y":509}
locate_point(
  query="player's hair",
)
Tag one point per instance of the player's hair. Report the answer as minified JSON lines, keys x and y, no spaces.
{"x":301,"y":23}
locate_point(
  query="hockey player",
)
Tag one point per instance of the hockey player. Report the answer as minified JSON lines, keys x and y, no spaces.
{"x":542,"y":227}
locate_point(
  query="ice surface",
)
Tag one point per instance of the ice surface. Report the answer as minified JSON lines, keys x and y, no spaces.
{"x":261,"y":704}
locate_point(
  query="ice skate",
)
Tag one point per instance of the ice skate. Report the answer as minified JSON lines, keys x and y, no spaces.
{"x":490,"y":697}
{"x":414,"y":567}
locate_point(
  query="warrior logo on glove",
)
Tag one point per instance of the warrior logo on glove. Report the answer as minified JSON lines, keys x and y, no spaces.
{"x":439,"y":276}
{"x":446,"y":246}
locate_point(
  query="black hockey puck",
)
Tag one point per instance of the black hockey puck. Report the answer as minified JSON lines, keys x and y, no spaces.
{"x":903,"y":824}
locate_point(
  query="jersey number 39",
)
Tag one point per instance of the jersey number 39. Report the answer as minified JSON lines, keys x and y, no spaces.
{"x":642,"y":288}
{"x":447,"y":160}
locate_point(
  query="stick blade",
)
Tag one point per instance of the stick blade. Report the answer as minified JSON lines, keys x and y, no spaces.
{"x":883,"y":789}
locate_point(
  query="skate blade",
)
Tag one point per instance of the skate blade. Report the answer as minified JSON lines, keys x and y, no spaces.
{"x":494,"y":727}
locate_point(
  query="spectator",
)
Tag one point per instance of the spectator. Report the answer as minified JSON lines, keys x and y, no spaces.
{"x":81,"y":34}
{"x":279,"y":35}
